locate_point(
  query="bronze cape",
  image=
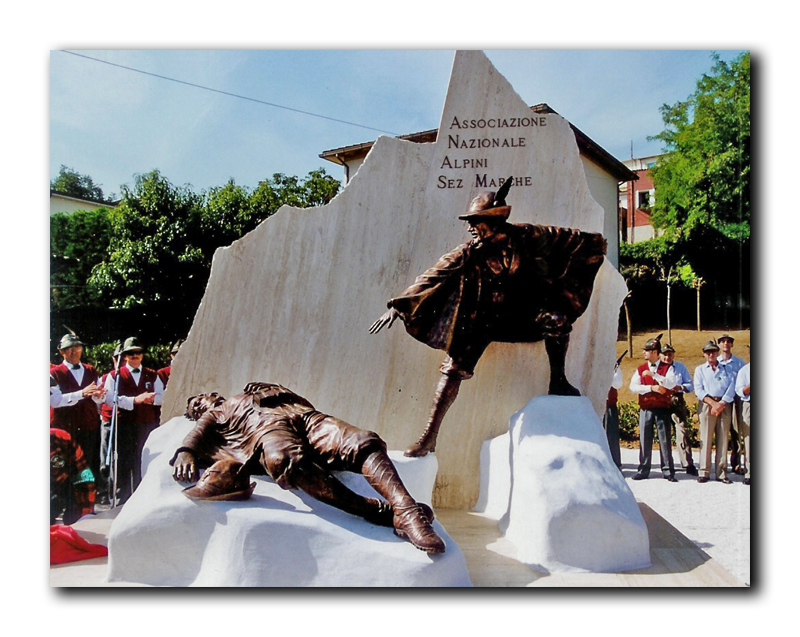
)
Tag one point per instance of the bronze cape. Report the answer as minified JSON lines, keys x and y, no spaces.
{"x":506,"y":290}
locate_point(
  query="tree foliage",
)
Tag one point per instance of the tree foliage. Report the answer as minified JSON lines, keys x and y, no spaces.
{"x":705,"y":177}
{"x":78,"y":242}
{"x":70,"y":182}
{"x":163,"y":237}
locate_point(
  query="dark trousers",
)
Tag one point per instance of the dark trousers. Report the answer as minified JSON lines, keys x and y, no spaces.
{"x":130,"y":444}
{"x":611,"y":424}
{"x":660,"y":419}
{"x":90,"y":445}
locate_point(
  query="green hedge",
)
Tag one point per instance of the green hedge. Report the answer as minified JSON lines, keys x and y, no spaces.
{"x":629,"y":422}
{"x":99,"y":356}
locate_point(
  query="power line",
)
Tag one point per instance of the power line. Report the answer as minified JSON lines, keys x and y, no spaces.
{"x":242,"y":97}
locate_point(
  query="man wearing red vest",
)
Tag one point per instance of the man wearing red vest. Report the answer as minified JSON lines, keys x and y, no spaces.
{"x":653,"y":382}
{"x":140,"y":391}
{"x":74,"y":397}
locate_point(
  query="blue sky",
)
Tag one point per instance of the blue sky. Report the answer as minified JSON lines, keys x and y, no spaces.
{"x":110,"y":123}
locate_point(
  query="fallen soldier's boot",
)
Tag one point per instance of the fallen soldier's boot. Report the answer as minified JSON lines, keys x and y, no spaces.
{"x":223,"y":480}
{"x":411,"y":523}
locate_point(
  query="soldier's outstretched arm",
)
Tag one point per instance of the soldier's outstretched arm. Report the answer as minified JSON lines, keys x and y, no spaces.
{"x":388,"y":318}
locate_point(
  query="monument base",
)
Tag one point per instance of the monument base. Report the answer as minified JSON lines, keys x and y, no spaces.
{"x":561,"y":501}
{"x":277,"y":538}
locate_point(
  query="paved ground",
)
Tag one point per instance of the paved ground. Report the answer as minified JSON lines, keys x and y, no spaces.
{"x":714,"y":516}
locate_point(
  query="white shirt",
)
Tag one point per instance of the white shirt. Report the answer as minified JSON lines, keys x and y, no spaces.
{"x":59,"y":399}
{"x":683,"y":377}
{"x":669,"y":380}
{"x":714,"y":382}
{"x":616,"y":382}
{"x":742,"y":381}
{"x":126,"y":402}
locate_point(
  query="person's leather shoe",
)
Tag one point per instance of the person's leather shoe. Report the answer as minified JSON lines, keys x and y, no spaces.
{"x":691,"y":470}
{"x":411,"y":523}
{"x":725,"y":480}
{"x":671,"y":478}
{"x":702,"y":479}
{"x":639,"y":476}
{"x":747,"y":481}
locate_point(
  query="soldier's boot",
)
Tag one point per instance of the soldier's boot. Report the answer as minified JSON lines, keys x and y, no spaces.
{"x":556,"y":347}
{"x":324,"y":487}
{"x":411,"y":520}
{"x":446,"y":392}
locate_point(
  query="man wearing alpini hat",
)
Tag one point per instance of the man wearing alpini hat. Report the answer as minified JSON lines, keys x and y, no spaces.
{"x":679,"y":408}
{"x":653,"y":382}
{"x":715,"y":387}
{"x":76,"y":410}
{"x":140,"y":390}
{"x":511,"y":283}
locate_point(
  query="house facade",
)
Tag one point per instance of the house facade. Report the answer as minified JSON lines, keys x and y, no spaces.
{"x":636,"y":200}
{"x":59,"y":202}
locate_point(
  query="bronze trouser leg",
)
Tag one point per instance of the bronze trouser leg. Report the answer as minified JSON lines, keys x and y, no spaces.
{"x":446,"y":393}
{"x":382,"y":476}
{"x":321,"y":485}
{"x":411,"y":521}
{"x":556,"y":347}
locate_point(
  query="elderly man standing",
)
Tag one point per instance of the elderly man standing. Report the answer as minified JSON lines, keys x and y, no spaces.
{"x":652,"y":382}
{"x":714,"y":387}
{"x":75,"y":395}
{"x":140,"y":390}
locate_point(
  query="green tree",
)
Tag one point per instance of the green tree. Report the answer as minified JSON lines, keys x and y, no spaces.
{"x":153,"y":261}
{"x":163,"y":239}
{"x":705,"y":177}
{"x":661,"y":259}
{"x":78,"y":242}
{"x":73,"y":183}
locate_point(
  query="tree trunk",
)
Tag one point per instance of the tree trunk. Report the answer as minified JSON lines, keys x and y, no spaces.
{"x":698,"y":308}
{"x":669,"y":324}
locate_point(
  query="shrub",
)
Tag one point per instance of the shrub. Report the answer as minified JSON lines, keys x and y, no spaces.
{"x":629,"y":422}
{"x":99,"y":356}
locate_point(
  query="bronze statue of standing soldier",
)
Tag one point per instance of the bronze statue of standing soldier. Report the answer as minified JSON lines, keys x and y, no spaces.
{"x":512,"y":283}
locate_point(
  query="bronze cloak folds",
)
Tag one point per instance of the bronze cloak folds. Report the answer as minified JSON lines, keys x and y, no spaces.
{"x":504,"y":290}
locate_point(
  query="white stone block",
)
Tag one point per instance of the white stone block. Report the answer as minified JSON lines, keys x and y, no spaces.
{"x":495,"y":486}
{"x":277,"y":538}
{"x":570,"y":508}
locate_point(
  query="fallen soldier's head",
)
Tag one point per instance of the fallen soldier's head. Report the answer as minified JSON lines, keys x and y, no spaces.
{"x":196,"y":406}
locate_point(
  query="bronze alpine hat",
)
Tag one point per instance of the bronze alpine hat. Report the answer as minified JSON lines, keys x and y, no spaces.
{"x":711,"y":346}
{"x":667,"y":348}
{"x":724,"y":336}
{"x":489,"y":205}
{"x":223,"y":480}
